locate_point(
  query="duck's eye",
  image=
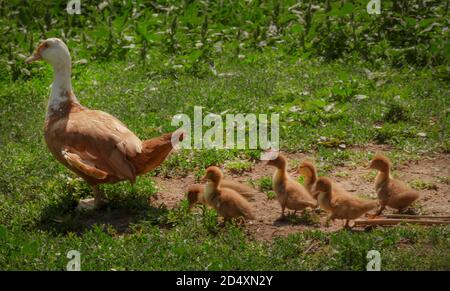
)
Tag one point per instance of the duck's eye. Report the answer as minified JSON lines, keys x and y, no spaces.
{"x":43,"y":45}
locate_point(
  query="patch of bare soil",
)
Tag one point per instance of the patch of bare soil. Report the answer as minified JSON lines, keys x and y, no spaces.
{"x":356,"y":179}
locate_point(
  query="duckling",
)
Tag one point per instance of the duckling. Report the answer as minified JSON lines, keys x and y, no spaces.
{"x":391,"y":192}
{"x":227,"y":202}
{"x":309,"y":172}
{"x":195,"y":195}
{"x":340,"y":203}
{"x":195,"y":192}
{"x":290,"y":193}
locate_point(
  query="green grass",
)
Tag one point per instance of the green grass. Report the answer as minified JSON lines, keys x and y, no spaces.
{"x":420,"y":184}
{"x":149,"y":112}
{"x":264,"y":184}
{"x":38,"y":195}
{"x":444,"y":179}
{"x":190,"y":246}
{"x":238,"y":166}
{"x":362,"y":84}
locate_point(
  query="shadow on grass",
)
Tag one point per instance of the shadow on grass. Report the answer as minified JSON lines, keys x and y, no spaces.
{"x":63,"y":216}
{"x":306,"y":217}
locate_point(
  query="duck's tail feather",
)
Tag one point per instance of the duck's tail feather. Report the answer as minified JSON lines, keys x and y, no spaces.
{"x":155,"y":151}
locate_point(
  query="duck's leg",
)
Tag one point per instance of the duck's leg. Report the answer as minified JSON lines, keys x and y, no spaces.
{"x":347,"y":224}
{"x":282,"y":217}
{"x":327,"y":221}
{"x":99,"y":198}
{"x":382,"y":207}
{"x":93,"y":203}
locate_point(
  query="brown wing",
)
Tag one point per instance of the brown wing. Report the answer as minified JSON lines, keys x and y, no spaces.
{"x":298,"y":196}
{"x":100,"y":140}
{"x":244,"y":190}
{"x":351,"y":207}
{"x":401,"y":194}
{"x":233,"y":205}
{"x":397,"y":186}
{"x":83,"y":166}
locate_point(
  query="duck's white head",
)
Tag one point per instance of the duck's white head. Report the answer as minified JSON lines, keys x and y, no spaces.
{"x":54,"y":51}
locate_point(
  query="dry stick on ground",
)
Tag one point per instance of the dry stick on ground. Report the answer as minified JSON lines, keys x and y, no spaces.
{"x":415,"y":216}
{"x":311,"y":246}
{"x":382,"y":222}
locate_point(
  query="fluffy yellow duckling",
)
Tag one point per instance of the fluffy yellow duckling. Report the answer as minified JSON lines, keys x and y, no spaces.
{"x":195,"y":195}
{"x":227,"y":202}
{"x":309,"y":172}
{"x":341,"y":205}
{"x":391,"y":192}
{"x":290,"y":193}
{"x":195,"y":192}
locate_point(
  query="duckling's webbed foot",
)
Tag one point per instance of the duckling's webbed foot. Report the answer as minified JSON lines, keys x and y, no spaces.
{"x":347,"y":224}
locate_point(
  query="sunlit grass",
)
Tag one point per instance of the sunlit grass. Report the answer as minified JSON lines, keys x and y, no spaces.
{"x":335,"y":96}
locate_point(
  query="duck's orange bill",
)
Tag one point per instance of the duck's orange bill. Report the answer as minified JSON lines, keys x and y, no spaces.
{"x":33,"y":58}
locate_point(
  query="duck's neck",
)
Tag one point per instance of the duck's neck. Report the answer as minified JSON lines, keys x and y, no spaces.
{"x":61,"y":92}
{"x":280,"y":174}
{"x":211,"y":189}
{"x":324,"y":199}
{"x":382,"y":177}
{"x":310,"y":179}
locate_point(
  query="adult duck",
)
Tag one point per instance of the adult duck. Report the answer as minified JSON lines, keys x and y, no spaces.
{"x":92,"y":143}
